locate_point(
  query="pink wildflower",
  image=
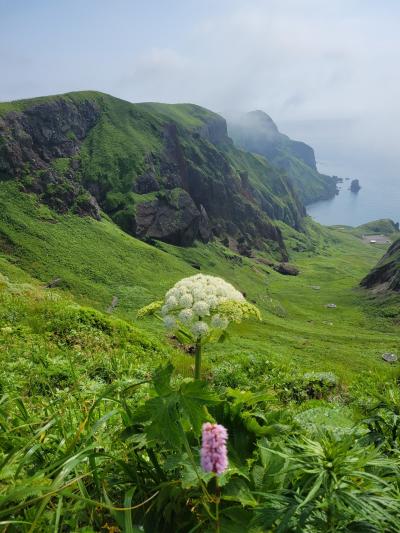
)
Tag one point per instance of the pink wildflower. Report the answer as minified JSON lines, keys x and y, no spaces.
{"x":214,"y":455}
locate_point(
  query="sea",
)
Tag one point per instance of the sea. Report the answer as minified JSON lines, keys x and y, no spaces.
{"x":377,"y":198}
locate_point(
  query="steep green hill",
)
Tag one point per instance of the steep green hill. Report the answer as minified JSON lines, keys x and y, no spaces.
{"x":385,"y":276}
{"x":384,"y":226}
{"x":160,"y":171}
{"x":257,"y":132}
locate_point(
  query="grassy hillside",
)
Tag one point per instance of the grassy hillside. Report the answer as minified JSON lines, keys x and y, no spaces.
{"x":98,"y":432}
{"x":97,"y":261}
{"x":93,"y":437}
{"x":94,"y":260}
{"x":160,"y":171}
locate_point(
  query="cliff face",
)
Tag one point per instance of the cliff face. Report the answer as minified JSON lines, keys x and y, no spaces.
{"x":386,"y":275}
{"x":257,"y":132}
{"x":34,"y":144}
{"x":167,"y":172}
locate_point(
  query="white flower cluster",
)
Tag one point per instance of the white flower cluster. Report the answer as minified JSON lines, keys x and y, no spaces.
{"x":193,"y":302}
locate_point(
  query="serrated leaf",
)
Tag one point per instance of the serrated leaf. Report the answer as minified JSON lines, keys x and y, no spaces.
{"x":165,"y":424}
{"x":194,"y":396}
{"x":162,"y":379}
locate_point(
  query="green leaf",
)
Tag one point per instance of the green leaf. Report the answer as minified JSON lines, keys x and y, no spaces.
{"x":128,"y":526}
{"x":194,"y":396}
{"x":238,"y":490}
{"x":162,"y":379}
{"x":200,"y":392}
{"x":165,"y":421}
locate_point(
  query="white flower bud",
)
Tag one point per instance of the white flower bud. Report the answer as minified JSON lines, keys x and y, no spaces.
{"x":201,"y":308}
{"x":200,"y":329}
{"x":186,"y":316}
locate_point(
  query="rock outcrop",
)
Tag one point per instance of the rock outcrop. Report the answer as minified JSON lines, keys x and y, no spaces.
{"x":386,"y":275}
{"x":355,"y":185}
{"x":171,"y":217}
{"x":39,"y":146}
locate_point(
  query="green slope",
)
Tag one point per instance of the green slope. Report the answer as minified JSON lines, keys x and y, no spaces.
{"x":143,"y":163}
{"x":96,"y":261}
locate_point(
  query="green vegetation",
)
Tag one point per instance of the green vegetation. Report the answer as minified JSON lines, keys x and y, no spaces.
{"x":21,"y":105}
{"x":97,"y":261}
{"x":384,"y":227}
{"x":124,"y":151}
{"x":94,"y":260}
{"x":100,"y":418}
{"x":94,"y":436}
{"x":310,"y":184}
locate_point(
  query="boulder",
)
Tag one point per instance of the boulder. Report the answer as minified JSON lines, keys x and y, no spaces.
{"x":146,"y":183}
{"x":171,"y":217}
{"x":287,"y":269}
{"x":389,"y":357}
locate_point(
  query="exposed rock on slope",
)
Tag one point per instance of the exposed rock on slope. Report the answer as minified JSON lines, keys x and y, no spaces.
{"x":167,"y":172}
{"x":386,"y":274}
{"x":34,"y":145}
{"x":257,"y":132}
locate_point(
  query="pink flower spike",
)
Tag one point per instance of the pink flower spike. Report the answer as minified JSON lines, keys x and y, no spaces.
{"x":214,"y":455}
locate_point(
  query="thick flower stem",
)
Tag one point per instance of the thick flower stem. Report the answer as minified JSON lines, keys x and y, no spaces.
{"x":197,"y":361}
{"x":217,"y":502}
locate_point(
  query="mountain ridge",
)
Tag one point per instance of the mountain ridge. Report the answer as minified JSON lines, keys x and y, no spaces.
{"x":161,"y":171}
{"x":256,"y":132}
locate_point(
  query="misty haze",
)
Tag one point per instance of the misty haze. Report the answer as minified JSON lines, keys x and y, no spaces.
{"x":199,"y":266}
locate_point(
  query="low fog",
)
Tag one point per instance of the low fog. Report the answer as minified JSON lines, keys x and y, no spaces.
{"x":326,"y":72}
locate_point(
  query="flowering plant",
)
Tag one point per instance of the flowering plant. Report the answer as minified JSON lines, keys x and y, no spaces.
{"x":214,"y":455}
{"x":199,"y":309}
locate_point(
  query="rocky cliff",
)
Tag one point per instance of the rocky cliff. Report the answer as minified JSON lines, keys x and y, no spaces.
{"x":167,"y":172}
{"x":386,"y":275}
{"x":40,"y":147}
{"x":257,"y":132}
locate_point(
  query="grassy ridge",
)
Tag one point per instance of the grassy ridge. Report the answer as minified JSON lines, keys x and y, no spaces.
{"x":95,"y":260}
{"x":175,"y":146}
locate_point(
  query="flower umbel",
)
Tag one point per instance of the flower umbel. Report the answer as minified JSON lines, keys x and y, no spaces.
{"x":214,"y":455}
{"x":199,"y":309}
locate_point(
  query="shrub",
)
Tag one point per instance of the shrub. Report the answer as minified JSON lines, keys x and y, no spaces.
{"x":319,"y":385}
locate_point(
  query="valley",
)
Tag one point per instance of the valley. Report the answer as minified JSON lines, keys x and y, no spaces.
{"x":96,"y":261}
{"x":104,"y":207}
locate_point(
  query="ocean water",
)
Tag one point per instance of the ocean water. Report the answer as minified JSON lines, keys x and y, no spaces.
{"x":378,"y":198}
{"x":354,"y":149}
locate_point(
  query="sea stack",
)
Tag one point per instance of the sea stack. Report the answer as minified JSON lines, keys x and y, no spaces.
{"x":355,"y":186}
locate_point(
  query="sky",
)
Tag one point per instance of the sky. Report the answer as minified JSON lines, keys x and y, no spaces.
{"x":326,"y":71}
